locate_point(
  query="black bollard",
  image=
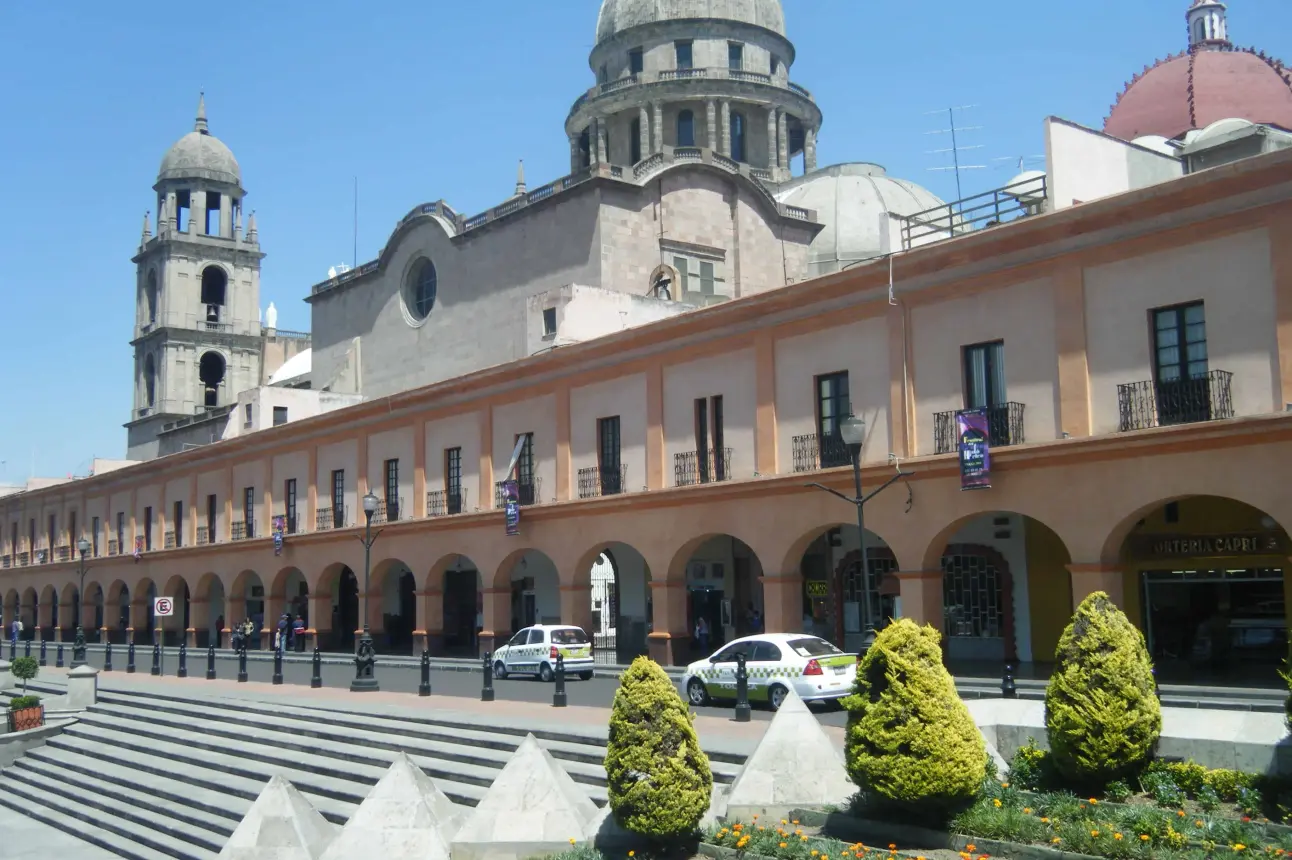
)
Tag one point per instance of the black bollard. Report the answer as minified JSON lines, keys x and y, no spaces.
{"x":278,"y":666}
{"x":183,"y":660}
{"x":107,"y":657}
{"x":316,"y":680}
{"x":486,"y":695}
{"x":26,"y":648}
{"x":156,"y":659}
{"x":424,"y":688}
{"x":242,"y":665}
{"x":742,"y":690}
{"x":210,"y":663}
{"x":44,"y":660}
{"x":58,"y":657}
{"x":1007,"y":688}
{"x":559,"y":699}
{"x":130,"y":659}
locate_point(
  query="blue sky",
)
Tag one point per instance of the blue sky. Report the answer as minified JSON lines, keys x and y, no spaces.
{"x":429,"y":99}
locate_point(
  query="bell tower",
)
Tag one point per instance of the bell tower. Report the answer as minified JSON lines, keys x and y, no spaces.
{"x":197,"y":338}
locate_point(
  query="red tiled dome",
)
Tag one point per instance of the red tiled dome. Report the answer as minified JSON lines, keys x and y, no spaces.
{"x":1194,"y":89}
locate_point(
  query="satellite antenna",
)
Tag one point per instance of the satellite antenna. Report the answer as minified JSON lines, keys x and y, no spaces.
{"x":956,"y":148}
{"x":1019,"y":162}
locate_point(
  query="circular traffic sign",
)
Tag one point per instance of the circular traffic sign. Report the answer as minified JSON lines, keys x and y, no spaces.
{"x":163,"y":606}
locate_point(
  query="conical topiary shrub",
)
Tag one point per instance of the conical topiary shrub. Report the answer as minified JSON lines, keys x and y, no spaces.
{"x":659,"y":778}
{"x":1101,"y":712}
{"x":910,"y":740}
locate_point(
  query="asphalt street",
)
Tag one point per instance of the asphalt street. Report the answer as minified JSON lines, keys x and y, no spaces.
{"x":404,"y":677}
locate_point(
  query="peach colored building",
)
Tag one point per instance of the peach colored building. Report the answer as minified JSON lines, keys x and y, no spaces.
{"x":1133,"y":355}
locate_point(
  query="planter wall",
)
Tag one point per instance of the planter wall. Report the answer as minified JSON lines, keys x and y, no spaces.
{"x":27,"y":718}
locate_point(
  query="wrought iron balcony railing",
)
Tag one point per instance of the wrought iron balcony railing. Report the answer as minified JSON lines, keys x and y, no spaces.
{"x":24,"y":559}
{"x":63,"y":553}
{"x":241,"y":530}
{"x":1182,"y":401}
{"x":114,"y":547}
{"x":204,"y":535}
{"x":598,"y":481}
{"x":289,"y":524}
{"x":329,"y":518}
{"x":387,"y":511}
{"x":526,"y":490}
{"x":809,"y":455}
{"x":1004,"y":427}
{"x":168,"y":540}
{"x":444,"y":503}
{"x":701,"y":467}
{"x":6,"y":561}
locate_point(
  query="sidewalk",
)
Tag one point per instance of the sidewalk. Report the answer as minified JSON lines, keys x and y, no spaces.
{"x":27,"y":839}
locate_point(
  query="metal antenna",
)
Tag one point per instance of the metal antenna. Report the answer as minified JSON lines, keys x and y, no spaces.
{"x":955,"y":149}
{"x":1020,"y":162}
{"x":356,"y":222}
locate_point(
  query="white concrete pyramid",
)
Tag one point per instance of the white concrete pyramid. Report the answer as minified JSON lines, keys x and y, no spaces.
{"x":533,"y":808}
{"x":281,"y":825}
{"x":405,"y":816}
{"x":795,"y":765}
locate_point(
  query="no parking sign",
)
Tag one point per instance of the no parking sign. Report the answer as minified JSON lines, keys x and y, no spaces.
{"x":163,"y":607}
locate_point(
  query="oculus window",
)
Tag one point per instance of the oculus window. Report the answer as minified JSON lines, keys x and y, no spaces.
{"x":420,"y":289}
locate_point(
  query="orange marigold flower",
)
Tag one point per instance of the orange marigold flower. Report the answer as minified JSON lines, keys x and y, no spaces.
{"x":785,"y":845}
{"x":1094,"y":802}
{"x":1143,"y":837}
{"x":1094,"y":833}
{"x":1117,"y":836}
{"x":996,"y":803}
{"x":1055,"y":841}
{"x":1027,"y":810}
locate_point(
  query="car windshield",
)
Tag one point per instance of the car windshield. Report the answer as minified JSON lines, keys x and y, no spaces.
{"x":569,"y":637}
{"x":813,"y":647}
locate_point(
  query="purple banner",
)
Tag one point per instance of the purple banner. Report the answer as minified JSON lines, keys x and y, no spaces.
{"x":975,"y":449}
{"x":511,"y":505}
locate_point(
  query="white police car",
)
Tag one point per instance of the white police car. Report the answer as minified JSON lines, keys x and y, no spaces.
{"x":775,"y":664}
{"x":533,"y":651}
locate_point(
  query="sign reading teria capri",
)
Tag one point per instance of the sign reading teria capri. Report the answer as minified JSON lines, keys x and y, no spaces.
{"x":1210,"y":545}
{"x":163,"y":607}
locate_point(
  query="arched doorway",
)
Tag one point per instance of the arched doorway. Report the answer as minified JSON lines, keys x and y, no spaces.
{"x":1205,"y":579}
{"x":175,"y":627}
{"x":395,"y":617}
{"x":71,"y":613}
{"x":247,"y":603}
{"x":210,"y":631}
{"x":838,"y":602}
{"x":30,"y":613}
{"x":339,"y":580}
{"x":48,"y":612}
{"x":117,"y":613}
{"x":463,"y":608}
{"x":622,"y":610}
{"x":210,"y":371}
{"x":535,"y":591}
{"x":723,"y":589}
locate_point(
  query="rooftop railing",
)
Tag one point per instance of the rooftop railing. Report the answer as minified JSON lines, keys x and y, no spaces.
{"x":981,"y":211}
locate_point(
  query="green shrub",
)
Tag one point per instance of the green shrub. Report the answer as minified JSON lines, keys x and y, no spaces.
{"x":910,"y":740}
{"x":17,"y":703}
{"x":1207,"y":799}
{"x":1101,"y":713}
{"x":1117,"y":791}
{"x":24,"y":669}
{"x":659,"y":779}
{"x":1030,"y":768}
{"x":1226,"y":783}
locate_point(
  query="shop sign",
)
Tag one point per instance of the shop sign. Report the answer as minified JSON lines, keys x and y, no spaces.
{"x":817,"y":588}
{"x":975,"y":449}
{"x":1199,"y":546}
{"x":511,"y":506}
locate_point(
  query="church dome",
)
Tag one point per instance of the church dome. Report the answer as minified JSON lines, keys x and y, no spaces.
{"x":1209,"y":82}
{"x":619,"y":15}
{"x":849,"y":200}
{"x":200,"y":155}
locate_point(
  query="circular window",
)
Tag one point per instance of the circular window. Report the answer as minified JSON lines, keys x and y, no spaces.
{"x":420,"y":288}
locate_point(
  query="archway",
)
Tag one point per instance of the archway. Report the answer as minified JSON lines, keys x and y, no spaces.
{"x":1204,"y":577}
{"x":723,"y":589}
{"x":462,"y":594}
{"x":622,"y":608}
{"x":210,"y":370}
{"x":148,"y":635}
{"x":175,"y":626}
{"x":117,"y":612}
{"x":1006,"y":594}
{"x":70,"y":613}
{"x":339,"y":581}
{"x":210,"y":629}
{"x":290,"y":596}
{"x":11,"y":611}
{"x":30,"y":612}
{"x":392,"y":612}
{"x":48,"y":618}
{"x":214,"y":282}
{"x":90,"y":613}
{"x":837,"y":602}
{"x":535,"y":589}
{"x":247,"y":603}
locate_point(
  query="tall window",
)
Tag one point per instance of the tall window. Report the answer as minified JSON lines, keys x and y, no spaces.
{"x":1180,"y":371}
{"x":738,"y":150}
{"x":178,"y":525}
{"x":148,"y":529}
{"x":453,"y":480}
{"x":72,"y":536}
{"x":833,"y":404}
{"x":51,"y":537}
{"x":13,"y":539}
{"x":735,"y":56}
{"x":121,"y":531}
{"x":685,"y":128}
{"x":289,"y":507}
{"x":31,"y":538}
{"x":608,"y":455}
{"x":249,"y":511}
{"x":525,"y":465}
{"x":392,"y":489}
{"x":709,"y":447}
{"x":635,"y":141}
{"x":635,"y":64}
{"x":338,"y":498}
{"x":94,"y":536}
{"x":682,"y":53}
{"x":984,"y":374}
{"x":701,"y":279}
{"x":210,"y":518}
{"x":775,"y":65}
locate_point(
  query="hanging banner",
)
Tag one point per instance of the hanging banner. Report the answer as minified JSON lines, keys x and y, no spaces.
{"x":280,"y":526}
{"x":975,"y":450}
{"x":511,"y":506}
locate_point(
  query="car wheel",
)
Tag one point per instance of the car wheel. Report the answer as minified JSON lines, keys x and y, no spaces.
{"x":696,"y":692}
{"x":545,"y":673}
{"x":499,"y":670}
{"x":585,"y":676}
{"x":776,"y":696}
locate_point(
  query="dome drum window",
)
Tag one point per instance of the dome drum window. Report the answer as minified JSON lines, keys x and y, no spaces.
{"x":420,"y":288}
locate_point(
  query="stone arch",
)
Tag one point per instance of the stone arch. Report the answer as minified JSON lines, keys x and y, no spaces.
{"x":708,"y":577}
{"x":533,"y":581}
{"x":246,"y":601}
{"x":336,"y":615}
{"x":71,"y":612}
{"x":617,"y":578}
{"x":392,"y":608}
{"x":117,"y":612}
{"x":11,"y":610}
{"x":48,"y":616}
{"x":290,"y":593}
{"x":93,"y":611}
{"x":209,"y":618}
{"x":142,"y":617}
{"x":29,"y":610}
{"x":823,"y":591}
{"x":454,"y":606}
{"x":175,"y":627}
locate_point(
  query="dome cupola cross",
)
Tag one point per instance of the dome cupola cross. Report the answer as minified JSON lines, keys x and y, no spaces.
{"x":1208,"y":27}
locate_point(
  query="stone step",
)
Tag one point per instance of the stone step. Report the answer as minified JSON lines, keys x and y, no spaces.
{"x":110,"y":833}
{"x":122,"y":807}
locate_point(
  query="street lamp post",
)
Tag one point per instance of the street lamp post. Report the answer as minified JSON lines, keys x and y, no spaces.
{"x":78,"y":645}
{"x":365,"y":662}
{"x":853,"y":432}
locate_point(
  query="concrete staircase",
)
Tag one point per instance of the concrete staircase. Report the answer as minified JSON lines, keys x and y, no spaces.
{"x":154,"y":776}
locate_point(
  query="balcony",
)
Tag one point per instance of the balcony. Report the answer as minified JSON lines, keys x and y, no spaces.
{"x":63,"y":553}
{"x":701,"y":467}
{"x":1182,"y":401}
{"x":6,"y":562}
{"x":718,"y":74}
{"x":204,"y":536}
{"x":289,"y":524}
{"x":168,"y":540}
{"x":329,"y":518}
{"x":528,"y":492}
{"x":114,"y":547}
{"x":1004,"y":427}
{"x":387,"y":511}
{"x":243,"y":530}
{"x":597,"y":481}
{"x":24,"y":559}
{"x":444,"y":503}
{"x":810,"y":456}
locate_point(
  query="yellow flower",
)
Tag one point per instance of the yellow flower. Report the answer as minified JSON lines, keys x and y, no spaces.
{"x":1240,"y":847}
{"x":996,"y":803}
{"x":1004,"y":785}
{"x":892,"y":847}
{"x":632,"y":853}
{"x":1198,"y":823}
{"x":1045,"y":821}
{"x":1094,"y":802}
{"x":761,"y":828}
{"x":785,"y":845}
{"x":783,"y":821}
{"x":971,"y":848}
{"x":1117,"y":836}
{"x":1027,"y":810}
{"x":571,"y":841}
{"x":1180,"y":813}
{"x":795,"y":822}
{"x":814,"y":852}
{"x":1143,"y":837}
{"x":1054,"y":841}
{"x":1094,"y":833}
{"x":803,"y":838}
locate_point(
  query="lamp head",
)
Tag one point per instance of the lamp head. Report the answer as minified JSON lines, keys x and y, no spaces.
{"x":370,"y":502}
{"x":83,"y":545}
{"x":853,"y":431}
